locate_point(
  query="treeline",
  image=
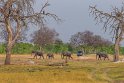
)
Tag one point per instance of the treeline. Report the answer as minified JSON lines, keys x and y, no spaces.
{"x":26,"y":48}
{"x":46,"y":40}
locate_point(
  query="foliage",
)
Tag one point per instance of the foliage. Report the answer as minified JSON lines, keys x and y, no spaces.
{"x":2,"y":48}
{"x":26,"y":48}
{"x":122,"y":50}
{"x":22,"y":48}
{"x":56,"y":48}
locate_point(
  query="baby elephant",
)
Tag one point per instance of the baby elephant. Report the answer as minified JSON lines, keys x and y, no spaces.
{"x":50,"y":56}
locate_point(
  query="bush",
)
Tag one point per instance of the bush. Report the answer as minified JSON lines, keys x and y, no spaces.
{"x":26,"y":48}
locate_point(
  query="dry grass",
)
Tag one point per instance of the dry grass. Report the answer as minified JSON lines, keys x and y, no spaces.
{"x":79,"y":70}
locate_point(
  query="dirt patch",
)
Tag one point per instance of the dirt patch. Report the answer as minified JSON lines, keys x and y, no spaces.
{"x":27,"y":59}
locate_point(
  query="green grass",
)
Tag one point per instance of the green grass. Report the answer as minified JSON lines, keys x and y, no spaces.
{"x":82,"y":71}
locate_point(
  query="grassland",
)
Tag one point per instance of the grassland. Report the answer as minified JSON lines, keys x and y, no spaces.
{"x":79,"y":70}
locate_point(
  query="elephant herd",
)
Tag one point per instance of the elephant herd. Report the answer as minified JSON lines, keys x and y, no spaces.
{"x":51,"y":55}
{"x":40,"y":54}
{"x":68,"y":55}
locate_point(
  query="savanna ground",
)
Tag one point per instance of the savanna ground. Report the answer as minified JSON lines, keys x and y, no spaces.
{"x":87,"y":69}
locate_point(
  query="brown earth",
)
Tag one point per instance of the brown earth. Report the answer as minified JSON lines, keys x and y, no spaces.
{"x":27,"y":59}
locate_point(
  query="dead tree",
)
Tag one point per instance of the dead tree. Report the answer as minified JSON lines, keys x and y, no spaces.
{"x":113,"y":21}
{"x":18,"y":14}
{"x":44,"y":36}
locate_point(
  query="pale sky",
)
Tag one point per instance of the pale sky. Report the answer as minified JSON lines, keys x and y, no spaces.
{"x":75,"y":16}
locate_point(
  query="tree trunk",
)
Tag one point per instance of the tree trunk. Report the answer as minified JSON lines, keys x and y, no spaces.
{"x":117,"y":44}
{"x":9,"y":42}
{"x":116,"y":48}
{"x":8,"y":55}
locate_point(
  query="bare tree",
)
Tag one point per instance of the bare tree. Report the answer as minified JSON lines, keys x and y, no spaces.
{"x":58,"y":41}
{"x":76,"y":39}
{"x":16,"y":15}
{"x":88,"y":39}
{"x":98,"y":41}
{"x":113,"y":21}
{"x":44,"y":36}
{"x":21,"y":37}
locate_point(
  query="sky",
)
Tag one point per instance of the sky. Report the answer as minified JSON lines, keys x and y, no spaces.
{"x":75,"y":16}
